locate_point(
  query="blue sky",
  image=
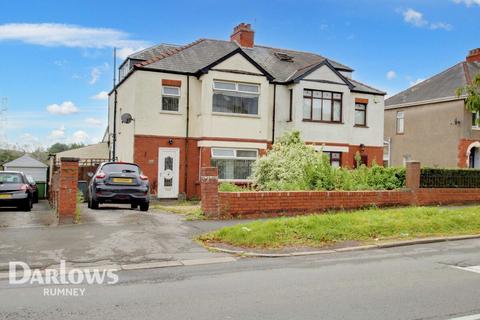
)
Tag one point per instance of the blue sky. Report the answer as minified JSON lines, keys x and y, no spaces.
{"x":56,"y":56}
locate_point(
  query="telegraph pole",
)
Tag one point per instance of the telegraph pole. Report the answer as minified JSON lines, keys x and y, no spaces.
{"x":114,"y":136}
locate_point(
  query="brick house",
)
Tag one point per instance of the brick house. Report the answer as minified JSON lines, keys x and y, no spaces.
{"x":225,"y":102}
{"x":429,"y":123}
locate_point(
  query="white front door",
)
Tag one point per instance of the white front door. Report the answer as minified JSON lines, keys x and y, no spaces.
{"x":168,"y":172}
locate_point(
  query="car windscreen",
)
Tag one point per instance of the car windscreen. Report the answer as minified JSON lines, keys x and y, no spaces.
{"x":120,"y":168}
{"x":9,"y":177}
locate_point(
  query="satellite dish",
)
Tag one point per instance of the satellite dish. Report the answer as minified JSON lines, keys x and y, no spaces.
{"x":126,"y":118}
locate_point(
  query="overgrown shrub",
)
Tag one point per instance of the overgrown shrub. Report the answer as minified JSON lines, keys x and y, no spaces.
{"x":230,"y":187}
{"x":293,"y":165}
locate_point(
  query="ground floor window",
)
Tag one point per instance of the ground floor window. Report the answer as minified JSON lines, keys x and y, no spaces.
{"x":335,"y":158}
{"x":233,"y":164}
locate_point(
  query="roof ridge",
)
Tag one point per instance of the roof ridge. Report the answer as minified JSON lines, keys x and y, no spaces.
{"x":428,"y":79}
{"x":169,"y":52}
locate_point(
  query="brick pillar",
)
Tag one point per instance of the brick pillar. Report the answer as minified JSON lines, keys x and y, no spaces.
{"x":67,"y":189}
{"x":412,"y":179}
{"x":209,"y":191}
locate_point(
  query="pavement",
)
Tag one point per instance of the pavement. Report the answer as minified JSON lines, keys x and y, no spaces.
{"x":111,"y":235}
{"x":427,"y":281}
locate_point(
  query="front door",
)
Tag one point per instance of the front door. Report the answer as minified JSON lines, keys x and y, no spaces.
{"x":168,"y":172}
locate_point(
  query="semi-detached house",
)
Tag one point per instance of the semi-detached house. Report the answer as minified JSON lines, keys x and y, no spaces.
{"x":223,"y":103}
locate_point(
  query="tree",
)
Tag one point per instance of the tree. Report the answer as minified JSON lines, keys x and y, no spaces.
{"x":59,"y":147}
{"x":472,"y":92}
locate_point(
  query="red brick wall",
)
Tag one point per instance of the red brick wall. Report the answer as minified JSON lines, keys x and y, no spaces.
{"x":209,"y":190}
{"x":462,"y":152}
{"x":146,"y":156}
{"x":375,"y":154}
{"x":67,"y":187}
{"x":256,"y":204}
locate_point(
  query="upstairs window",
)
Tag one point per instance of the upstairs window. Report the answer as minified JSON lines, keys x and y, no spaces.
{"x":232,"y":97}
{"x":475,"y":118}
{"x":400,"y":122}
{"x":360,"y":114}
{"x":170,"y":98}
{"x":322,"y":106}
{"x":233,"y":164}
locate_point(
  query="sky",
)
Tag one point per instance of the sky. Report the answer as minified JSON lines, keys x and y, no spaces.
{"x":56,"y":57}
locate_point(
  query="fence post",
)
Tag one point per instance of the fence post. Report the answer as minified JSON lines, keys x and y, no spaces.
{"x":412,"y":179}
{"x":209,"y":191}
{"x":67,"y":189}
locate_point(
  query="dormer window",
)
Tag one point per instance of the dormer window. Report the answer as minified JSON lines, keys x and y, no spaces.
{"x":283,"y":56}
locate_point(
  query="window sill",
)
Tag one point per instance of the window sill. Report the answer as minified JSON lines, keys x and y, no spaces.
{"x":226,"y":114}
{"x":235,"y":181}
{"x":321,"y":121}
{"x":360,"y":126}
{"x":171,"y":112}
{"x":475,"y":128}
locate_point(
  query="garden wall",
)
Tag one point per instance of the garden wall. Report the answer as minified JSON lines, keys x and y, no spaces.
{"x":274,"y":203}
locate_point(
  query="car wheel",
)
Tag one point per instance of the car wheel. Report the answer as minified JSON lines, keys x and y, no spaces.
{"x":93,"y":204}
{"x":134,"y":206}
{"x":144,"y":206}
{"x":26,"y":205}
{"x":35,"y":197}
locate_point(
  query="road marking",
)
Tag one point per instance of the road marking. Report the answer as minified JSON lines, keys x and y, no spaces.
{"x":475,"y":269}
{"x":472,"y":317}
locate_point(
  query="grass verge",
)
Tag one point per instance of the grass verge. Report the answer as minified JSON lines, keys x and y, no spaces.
{"x":190,"y":209}
{"x":364,"y":225}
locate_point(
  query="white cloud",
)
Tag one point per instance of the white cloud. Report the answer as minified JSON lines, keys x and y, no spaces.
{"x":95,"y":122}
{"x":391,"y":75}
{"x":468,"y":3}
{"x":66,"y":35}
{"x":123,"y":53}
{"x":416,"y":18}
{"x":80,"y":136}
{"x":94,"y":75}
{"x":66,"y":107}
{"x":57,"y":133}
{"x":413,"y":83}
{"x":440,"y":25}
{"x":102,"y":95}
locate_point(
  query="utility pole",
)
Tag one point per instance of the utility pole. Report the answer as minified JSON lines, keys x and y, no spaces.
{"x":114,"y":136}
{"x":3,"y":122}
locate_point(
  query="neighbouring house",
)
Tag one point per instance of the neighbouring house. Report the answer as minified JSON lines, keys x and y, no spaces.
{"x":98,"y":151}
{"x":223,"y":103}
{"x":32,"y":167}
{"x":429,"y":123}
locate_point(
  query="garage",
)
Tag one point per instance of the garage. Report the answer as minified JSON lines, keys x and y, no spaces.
{"x":32,"y":167}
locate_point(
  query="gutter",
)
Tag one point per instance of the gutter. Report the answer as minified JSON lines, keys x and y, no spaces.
{"x":430,"y":101}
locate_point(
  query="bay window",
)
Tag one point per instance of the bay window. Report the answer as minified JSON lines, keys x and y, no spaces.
{"x":233,"y":97}
{"x":233,"y":164}
{"x":322,"y":106}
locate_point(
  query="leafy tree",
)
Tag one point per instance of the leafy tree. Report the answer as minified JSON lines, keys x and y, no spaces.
{"x":472,"y":91}
{"x":59,"y":147}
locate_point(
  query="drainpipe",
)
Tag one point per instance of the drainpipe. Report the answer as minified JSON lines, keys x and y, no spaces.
{"x":187,"y":133}
{"x":114,"y":136}
{"x":274,"y":107}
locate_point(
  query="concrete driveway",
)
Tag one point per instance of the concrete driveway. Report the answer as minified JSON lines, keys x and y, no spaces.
{"x":113,"y":234}
{"x":41,"y":215}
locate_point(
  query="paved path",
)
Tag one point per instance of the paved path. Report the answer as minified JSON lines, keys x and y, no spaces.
{"x":114,"y":234}
{"x":417,"y":282}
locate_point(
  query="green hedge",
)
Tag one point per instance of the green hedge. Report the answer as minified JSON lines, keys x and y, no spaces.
{"x":449,"y":178}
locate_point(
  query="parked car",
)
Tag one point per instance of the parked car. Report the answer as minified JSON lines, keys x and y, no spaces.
{"x":119,"y":182}
{"x":15,"y":190}
{"x":33,"y":184}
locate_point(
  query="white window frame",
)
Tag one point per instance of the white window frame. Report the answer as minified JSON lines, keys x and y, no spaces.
{"x":476,"y":126}
{"x":164,"y":94}
{"x":397,"y":118}
{"x":215,"y":89}
{"x":234,"y":157}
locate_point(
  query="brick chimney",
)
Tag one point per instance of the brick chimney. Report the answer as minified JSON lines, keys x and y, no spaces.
{"x":243,"y":35}
{"x":474,"y":55}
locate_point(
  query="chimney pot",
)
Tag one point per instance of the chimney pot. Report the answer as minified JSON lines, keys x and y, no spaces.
{"x":474,"y":55}
{"x":243,"y":35}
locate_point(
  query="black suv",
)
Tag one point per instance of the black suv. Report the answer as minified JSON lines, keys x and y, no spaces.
{"x":118,"y":182}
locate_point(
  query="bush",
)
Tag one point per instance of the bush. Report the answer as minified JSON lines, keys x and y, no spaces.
{"x":293,"y":165}
{"x":230,"y":187}
{"x":449,"y":178}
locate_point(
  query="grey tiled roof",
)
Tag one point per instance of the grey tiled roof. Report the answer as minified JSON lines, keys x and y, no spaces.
{"x":362,"y":87}
{"x":202,"y":53}
{"x":25,"y":161}
{"x":442,"y":85}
